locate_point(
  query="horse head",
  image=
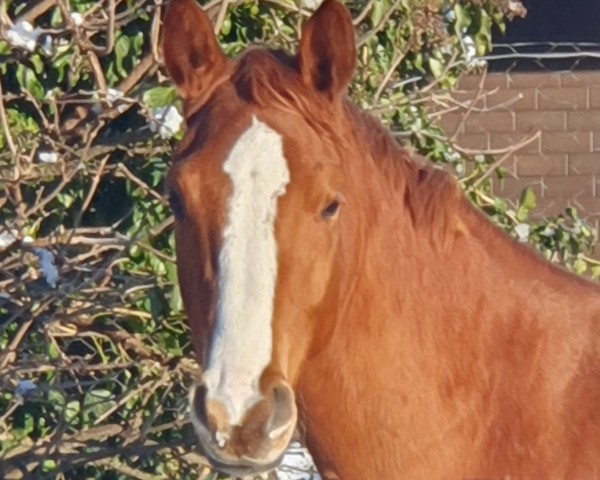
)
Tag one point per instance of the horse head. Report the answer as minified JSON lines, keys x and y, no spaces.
{"x":257,"y":188}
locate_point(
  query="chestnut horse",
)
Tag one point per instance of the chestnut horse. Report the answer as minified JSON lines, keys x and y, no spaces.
{"x":336,"y":285}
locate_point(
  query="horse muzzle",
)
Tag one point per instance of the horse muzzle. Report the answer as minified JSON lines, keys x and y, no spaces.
{"x":257,"y":443}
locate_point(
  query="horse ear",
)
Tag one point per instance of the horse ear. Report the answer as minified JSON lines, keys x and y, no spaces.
{"x":191,"y":52}
{"x":327,"y":54}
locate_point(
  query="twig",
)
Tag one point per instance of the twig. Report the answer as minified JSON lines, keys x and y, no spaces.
{"x":492,"y":168}
{"x":221,"y":16}
{"x":362,"y":15}
{"x":496,"y":151}
{"x":10,"y":353}
{"x":382,"y":22}
{"x":384,"y":82}
{"x":38,"y":9}
{"x":140,"y":70}
{"x":4,"y":120}
{"x":139,"y":182}
{"x":90,"y":194}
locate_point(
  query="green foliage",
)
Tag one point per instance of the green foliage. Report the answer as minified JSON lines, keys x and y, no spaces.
{"x":83,"y":155}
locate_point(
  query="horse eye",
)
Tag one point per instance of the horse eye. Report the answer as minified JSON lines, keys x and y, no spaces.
{"x":176,"y":205}
{"x":330,"y":210}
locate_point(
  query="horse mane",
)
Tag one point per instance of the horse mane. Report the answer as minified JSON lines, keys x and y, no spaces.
{"x":431,"y":195}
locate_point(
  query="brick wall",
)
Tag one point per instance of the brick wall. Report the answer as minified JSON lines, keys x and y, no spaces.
{"x":556,"y":118}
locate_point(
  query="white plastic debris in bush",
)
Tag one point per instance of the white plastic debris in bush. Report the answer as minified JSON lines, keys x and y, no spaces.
{"x":47,"y":157}
{"x":113,"y":96}
{"x":470,"y":49}
{"x":297,"y":464}
{"x":311,"y":4}
{"x":24,"y":387}
{"x":473,"y":60}
{"x":548,"y":231}
{"x":47,"y":265}
{"x":166,"y":120}
{"x":77,"y":18}
{"x":47,"y":45}
{"x":7,"y":238}
{"x":23,"y":35}
{"x":522,"y":230}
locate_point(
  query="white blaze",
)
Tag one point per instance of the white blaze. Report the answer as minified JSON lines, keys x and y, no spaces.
{"x":243,"y":339}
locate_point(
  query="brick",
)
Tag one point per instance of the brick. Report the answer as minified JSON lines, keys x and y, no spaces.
{"x":473,"y":141}
{"x":502,"y":141}
{"x":571,"y":186}
{"x":533,"y":80}
{"x":469,"y":98}
{"x":583,"y":120}
{"x":563,"y":98}
{"x":513,"y":99}
{"x":587,"y":205}
{"x":594,"y":94}
{"x":549,"y":206}
{"x":510,"y":165}
{"x":566,"y":142}
{"x":501,"y":121}
{"x":492,"y":80}
{"x":452,"y":123}
{"x":584,"y":163}
{"x":512,"y":187}
{"x":537,"y":120}
{"x":578,"y":79}
{"x":596,"y":141}
{"x":469,"y":82}
{"x":528,"y":165}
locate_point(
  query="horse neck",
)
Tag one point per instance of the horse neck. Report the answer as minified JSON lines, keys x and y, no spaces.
{"x":424,"y":337}
{"x":471,"y":268}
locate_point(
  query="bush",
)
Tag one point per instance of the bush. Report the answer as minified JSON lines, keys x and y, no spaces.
{"x":95,"y":354}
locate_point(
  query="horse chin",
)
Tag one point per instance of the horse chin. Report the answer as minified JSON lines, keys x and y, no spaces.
{"x":255,"y":445}
{"x":235,"y":467}
{"x":243,"y":469}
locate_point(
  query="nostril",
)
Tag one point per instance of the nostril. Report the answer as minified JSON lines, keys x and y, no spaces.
{"x":283,"y":415}
{"x":199,"y":403}
{"x":258,"y":441}
{"x":209,"y":417}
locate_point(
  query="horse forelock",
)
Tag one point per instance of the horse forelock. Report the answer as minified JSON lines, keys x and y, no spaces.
{"x":269,"y":78}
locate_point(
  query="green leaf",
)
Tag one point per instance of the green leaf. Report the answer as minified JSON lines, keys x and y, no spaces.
{"x":97,"y":402}
{"x":37,"y":63}
{"x":72,"y":410}
{"x":175,"y":300}
{"x":463,"y":18}
{"x":579,"y":266}
{"x":436,"y":67}
{"x":29,"y":81}
{"x":4,"y":47}
{"x":483,"y":37}
{"x":379,"y":10}
{"x":122,"y":47}
{"x":138,"y":43}
{"x":226,"y":28}
{"x":159,"y":97}
{"x":49,"y":466}
{"x":527,"y":203}
{"x":53,"y":352}
{"x":56,"y":18}
{"x":528,"y":198}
